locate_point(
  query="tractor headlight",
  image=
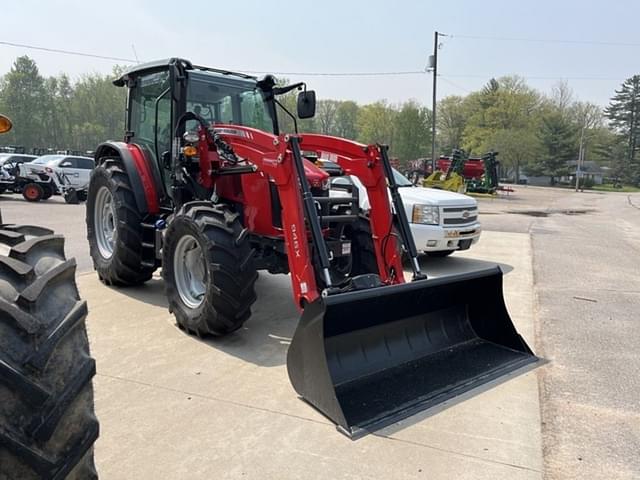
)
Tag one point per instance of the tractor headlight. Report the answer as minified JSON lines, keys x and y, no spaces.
{"x":425,"y":214}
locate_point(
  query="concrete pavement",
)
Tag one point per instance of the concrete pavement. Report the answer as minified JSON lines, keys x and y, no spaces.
{"x":172,"y":406}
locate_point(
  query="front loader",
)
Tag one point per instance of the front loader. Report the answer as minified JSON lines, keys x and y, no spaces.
{"x":207,"y":186}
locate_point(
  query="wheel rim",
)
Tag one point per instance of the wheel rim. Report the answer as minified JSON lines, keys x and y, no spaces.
{"x":189,"y":270}
{"x":105,"y":222}
{"x":31,"y":192}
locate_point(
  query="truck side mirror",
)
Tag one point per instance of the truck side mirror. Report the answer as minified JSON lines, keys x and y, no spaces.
{"x":306,"y":104}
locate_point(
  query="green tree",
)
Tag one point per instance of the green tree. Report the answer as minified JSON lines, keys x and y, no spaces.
{"x":412,"y":137}
{"x":517,"y":148}
{"x":347,"y":119}
{"x":451,"y":119}
{"x":624,"y":115}
{"x":326,"y":113}
{"x":557,"y":142}
{"x":375,"y":123}
{"x":23,"y":99}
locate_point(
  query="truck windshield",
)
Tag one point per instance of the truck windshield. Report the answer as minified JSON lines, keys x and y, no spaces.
{"x":401,"y":180}
{"x":226,"y":100}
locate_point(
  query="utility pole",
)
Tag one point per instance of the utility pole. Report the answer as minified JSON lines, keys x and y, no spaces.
{"x":580,"y":158}
{"x":433,"y":65}
{"x":433,"y":103}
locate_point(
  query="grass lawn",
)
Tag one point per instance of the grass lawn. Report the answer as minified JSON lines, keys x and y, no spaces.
{"x":610,"y":188}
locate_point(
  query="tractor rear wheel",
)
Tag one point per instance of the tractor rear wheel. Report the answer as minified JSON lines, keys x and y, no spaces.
{"x":114,"y":227}
{"x":32,"y":192}
{"x":208,"y":269}
{"x":47,"y":422}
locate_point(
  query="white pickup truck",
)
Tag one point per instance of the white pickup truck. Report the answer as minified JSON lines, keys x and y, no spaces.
{"x":441,"y":221}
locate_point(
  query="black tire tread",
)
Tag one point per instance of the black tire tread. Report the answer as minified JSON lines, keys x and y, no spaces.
{"x":126,"y":265}
{"x":47,"y":422}
{"x":232,"y":274}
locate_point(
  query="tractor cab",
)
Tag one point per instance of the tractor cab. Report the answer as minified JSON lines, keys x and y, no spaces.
{"x":170,"y":100}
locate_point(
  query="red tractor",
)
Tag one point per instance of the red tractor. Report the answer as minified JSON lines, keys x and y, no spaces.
{"x":207,"y":186}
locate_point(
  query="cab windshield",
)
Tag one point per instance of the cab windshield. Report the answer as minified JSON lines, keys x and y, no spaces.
{"x":227,"y":100}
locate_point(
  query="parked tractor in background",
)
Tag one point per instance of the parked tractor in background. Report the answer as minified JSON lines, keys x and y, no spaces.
{"x":208,"y":187}
{"x":451,"y":179}
{"x":47,"y":421}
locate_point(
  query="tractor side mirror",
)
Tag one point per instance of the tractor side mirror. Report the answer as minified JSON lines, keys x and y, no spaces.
{"x":5,"y":124}
{"x":306,"y":104}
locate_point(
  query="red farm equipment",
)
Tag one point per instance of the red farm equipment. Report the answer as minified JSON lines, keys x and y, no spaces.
{"x":208,"y":187}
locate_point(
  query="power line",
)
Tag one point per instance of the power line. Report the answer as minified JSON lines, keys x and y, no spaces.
{"x":341,"y":74}
{"x":129,"y":60}
{"x":67,"y":52}
{"x":337,"y":74}
{"x":453,"y":84}
{"x":536,"y":77}
{"x":548,"y":40}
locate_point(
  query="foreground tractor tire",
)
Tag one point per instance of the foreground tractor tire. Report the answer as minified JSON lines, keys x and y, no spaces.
{"x":47,"y":423}
{"x":32,"y":192}
{"x":208,"y":269}
{"x":114,"y":227}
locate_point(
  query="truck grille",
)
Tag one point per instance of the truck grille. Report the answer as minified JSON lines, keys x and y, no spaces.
{"x":459,"y":215}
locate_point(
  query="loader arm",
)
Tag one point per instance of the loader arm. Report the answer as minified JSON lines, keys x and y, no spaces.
{"x":273,"y":155}
{"x":364,"y":162}
{"x":270,"y":154}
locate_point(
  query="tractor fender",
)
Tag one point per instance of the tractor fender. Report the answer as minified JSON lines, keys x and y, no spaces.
{"x":140,"y":171}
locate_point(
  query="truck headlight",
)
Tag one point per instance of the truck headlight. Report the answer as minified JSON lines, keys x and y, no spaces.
{"x":425,"y":214}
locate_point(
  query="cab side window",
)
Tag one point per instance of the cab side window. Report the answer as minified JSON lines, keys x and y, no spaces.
{"x":149,"y":97}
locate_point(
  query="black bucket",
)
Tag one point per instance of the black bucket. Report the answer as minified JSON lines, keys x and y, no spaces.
{"x":369,"y":358}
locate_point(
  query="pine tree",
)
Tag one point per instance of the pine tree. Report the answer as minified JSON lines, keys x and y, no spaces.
{"x":624,"y":115}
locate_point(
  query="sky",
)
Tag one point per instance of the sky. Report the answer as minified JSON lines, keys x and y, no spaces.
{"x":593,"y":45}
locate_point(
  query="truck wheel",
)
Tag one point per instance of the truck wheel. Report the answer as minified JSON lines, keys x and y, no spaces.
{"x":208,"y":269}
{"x":114,"y":227}
{"x":47,"y":423}
{"x":32,"y":192}
{"x":71,"y":197}
{"x":47,"y":192}
{"x":440,"y":253}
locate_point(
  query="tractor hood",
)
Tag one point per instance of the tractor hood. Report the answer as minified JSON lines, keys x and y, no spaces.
{"x":316,"y":176}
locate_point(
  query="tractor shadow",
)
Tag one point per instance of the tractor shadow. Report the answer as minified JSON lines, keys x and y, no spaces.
{"x":452,"y":265}
{"x":265,"y":338}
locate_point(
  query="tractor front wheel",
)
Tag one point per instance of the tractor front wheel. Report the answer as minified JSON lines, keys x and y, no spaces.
{"x":208,"y":269}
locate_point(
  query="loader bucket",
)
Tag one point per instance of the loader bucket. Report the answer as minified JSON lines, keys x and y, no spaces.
{"x":369,"y":358}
